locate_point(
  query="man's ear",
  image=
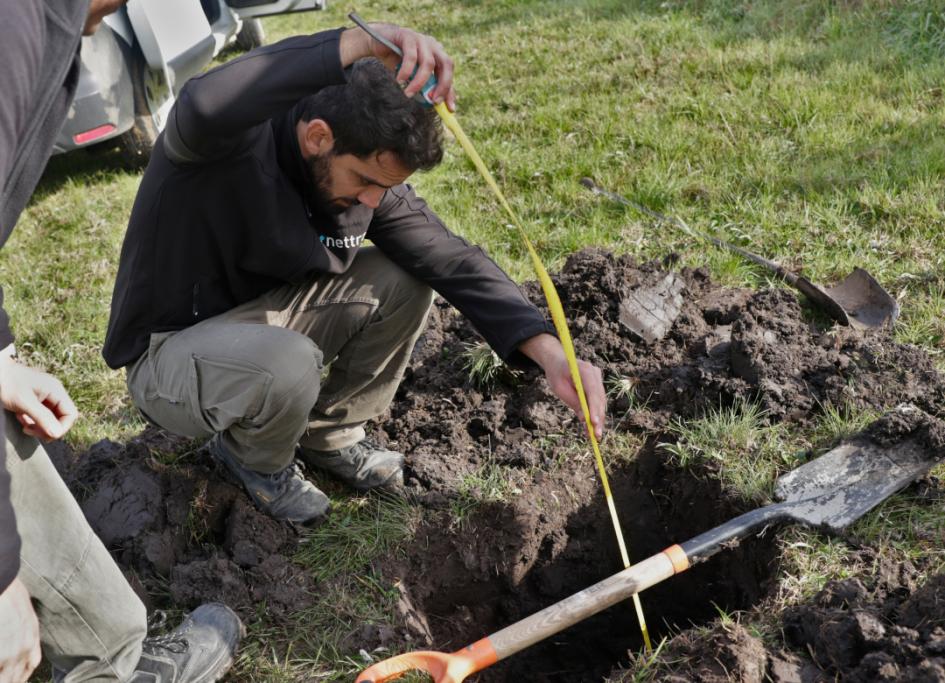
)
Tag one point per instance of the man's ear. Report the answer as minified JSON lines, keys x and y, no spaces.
{"x":315,"y":138}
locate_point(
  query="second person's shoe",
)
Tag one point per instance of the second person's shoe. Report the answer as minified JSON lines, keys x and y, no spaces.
{"x":285,"y":495}
{"x":362,"y":466}
{"x":200,"y":650}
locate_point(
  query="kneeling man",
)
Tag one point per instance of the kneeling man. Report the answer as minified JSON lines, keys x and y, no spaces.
{"x":243,"y":272}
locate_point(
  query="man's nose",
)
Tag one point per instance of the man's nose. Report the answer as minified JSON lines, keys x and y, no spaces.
{"x":371,"y":197}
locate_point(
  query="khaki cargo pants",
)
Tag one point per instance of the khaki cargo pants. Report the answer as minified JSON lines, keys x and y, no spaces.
{"x":254,"y":373}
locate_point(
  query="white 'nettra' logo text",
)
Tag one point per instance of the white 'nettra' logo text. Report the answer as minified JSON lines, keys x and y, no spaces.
{"x":342,"y":242}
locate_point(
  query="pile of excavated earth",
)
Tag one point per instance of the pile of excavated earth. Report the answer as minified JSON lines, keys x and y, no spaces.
{"x":482,"y":558}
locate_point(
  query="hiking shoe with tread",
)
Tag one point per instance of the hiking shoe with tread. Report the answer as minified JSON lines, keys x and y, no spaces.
{"x":201,"y":650}
{"x":285,"y":495}
{"x":363,"y":466}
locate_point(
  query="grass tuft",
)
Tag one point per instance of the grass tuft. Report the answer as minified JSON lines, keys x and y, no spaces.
{"x":736,"y":445}
{"x":484,"y":367}
{"x":837,"y":423}
{"x":352,"y":537}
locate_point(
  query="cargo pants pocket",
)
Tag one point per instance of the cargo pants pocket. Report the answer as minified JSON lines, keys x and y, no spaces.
{"x":228,"y":392}
{"x":196,"y":395}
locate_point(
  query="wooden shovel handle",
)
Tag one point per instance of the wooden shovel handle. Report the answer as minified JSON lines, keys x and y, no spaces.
{"x":455,"y":667}
{"x":588,"y":602}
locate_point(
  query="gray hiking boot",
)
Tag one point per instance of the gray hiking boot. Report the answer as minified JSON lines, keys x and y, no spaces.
{"x":286,"y":495}
{"x":362,"y":466}
{"x":200,"y":650}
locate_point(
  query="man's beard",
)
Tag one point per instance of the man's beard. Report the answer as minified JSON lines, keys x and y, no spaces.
{"x":319,"y":168}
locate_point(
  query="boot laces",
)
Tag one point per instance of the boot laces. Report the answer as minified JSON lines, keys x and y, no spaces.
{"x":171,"y":642}
{"x":284,"y":477}
{"x":157,"y":620}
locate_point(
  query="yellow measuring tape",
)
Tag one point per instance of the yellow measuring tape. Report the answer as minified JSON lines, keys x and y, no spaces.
{"x":561,"y":325}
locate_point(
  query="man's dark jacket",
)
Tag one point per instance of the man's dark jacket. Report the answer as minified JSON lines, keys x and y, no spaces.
{"x":39,"y":67}
{"x":222,"y":214}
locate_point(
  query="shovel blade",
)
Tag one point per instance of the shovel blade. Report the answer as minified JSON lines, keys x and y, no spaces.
{"x":842,"y":485}
{"x":864,"y":300}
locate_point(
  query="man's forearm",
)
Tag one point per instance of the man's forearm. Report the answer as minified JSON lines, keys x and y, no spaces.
{"x":543,"y":349}
{"x":353,"y":45}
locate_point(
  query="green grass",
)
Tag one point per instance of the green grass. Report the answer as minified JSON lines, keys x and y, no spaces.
{"x":908,"y":525}
{"x":808,"y":561}
{"x":358,"y":531}
{"x":57,"y":273}
{"x":491,"y":482}
{"x":809,"y":131}
{"x":735,"y":445}
{"x":349,"y":594}
{"x":837,"y":423}
{"x":484,"y":367}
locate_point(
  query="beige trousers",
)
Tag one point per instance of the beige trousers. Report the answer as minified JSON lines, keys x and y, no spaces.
{"x":91,"y":622}
{"x":254,"y":373}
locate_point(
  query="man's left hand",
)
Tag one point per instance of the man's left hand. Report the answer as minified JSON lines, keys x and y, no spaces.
{"x":547,"y":351}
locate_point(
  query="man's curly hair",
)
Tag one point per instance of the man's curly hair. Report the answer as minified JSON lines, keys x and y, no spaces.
{"x":371,"y":114}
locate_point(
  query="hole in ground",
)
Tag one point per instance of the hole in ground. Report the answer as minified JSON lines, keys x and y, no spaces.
{"x":509,"y":560}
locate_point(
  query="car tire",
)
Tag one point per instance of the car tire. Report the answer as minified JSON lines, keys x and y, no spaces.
{"x":137,"y":142}
{"x":252,"y":35}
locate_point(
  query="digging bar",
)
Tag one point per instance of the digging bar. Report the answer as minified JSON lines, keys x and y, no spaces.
{"x":858,"y":301}
{"x":829,"y":492}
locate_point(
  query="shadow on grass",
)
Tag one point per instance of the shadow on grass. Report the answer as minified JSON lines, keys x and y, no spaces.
{"x":91,"y":164}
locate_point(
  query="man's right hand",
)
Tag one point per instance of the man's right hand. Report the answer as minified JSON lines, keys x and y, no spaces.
{"x":39,"y":401}
{"x":421,"y":52}
{"x":19,"y":634}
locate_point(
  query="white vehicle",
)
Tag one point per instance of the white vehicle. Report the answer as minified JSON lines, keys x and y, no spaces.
{"x":141,"y":56}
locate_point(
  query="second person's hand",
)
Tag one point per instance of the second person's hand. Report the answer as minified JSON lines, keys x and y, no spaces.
{"x":19,"y":634}
{"x":39,"y":401}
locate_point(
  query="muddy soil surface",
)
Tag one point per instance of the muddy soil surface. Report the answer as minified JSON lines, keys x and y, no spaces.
{"x":184,"y":534}
{"x":493,"y":549}
{"x":889,"y":627}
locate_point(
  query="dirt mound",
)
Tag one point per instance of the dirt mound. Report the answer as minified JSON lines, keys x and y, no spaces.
{"x":736,"y":655}
{"x":514,"y":516}
{"x":889,"y":630}
{"x":909,"y":422}
{"x":726,"y":344}
{"x":884,"y":629}
{"x":184,"y":531}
